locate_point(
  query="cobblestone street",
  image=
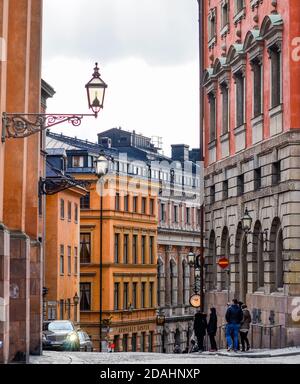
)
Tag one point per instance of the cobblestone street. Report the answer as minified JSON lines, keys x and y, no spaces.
{"x":287,"y":356}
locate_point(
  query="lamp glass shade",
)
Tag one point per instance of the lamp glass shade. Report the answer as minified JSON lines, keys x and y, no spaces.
{"x":246,"y":221}
{"x":191,"y":258}
{"x":96,"y":91}
{"x":76,"y":299}
{"x":197,"y":272}
{"x":101,"y":166}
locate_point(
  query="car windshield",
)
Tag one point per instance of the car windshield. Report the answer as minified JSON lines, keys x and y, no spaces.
{"x":60,"y":326}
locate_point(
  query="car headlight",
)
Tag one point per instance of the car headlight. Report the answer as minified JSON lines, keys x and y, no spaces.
{"x":72,"y":337}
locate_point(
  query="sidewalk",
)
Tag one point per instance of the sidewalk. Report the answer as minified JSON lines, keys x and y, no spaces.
{"x":257,"y":353}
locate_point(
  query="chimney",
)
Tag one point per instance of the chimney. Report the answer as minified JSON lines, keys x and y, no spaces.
{"x":180,"y":152}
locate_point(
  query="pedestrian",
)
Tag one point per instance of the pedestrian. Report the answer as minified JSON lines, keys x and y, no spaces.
{"x":245,"y":327}
{"x":212,"y":327}
{"x":234,"y":317}
{"x":177,"y":349}
{"x":200,"y":327}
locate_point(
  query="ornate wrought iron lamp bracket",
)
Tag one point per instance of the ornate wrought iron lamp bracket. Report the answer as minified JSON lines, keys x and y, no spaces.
{"x":21,"y":125}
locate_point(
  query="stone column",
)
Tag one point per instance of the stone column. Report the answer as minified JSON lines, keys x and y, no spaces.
{"x":36,"y":303}
{"x":180,"y":278}
{"x":4,"y":294}
{"x":19,"y":311}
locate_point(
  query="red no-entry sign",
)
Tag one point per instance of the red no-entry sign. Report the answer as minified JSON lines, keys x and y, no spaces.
{"x":223,"y":262}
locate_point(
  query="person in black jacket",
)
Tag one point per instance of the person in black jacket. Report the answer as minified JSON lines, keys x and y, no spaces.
{"x":200,"y":327}
{"x":234,"y":317}
{"x":212,"y":327}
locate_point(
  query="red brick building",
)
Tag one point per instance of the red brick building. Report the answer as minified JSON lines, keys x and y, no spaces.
{"x":251,"y":95}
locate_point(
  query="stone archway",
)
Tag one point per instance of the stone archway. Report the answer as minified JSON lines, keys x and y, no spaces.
{"x":243,"y":270}
{"x":276,"y":256}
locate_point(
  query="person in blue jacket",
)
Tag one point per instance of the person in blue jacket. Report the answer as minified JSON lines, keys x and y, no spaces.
{"x":234,"y":317}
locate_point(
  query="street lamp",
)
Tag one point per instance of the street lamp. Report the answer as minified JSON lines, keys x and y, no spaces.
{"x":246,"y":222}
{"x":101,"y":166}
{"x":96,"y":91}
{"x":197,"y":262}
{"x":21,"y":125}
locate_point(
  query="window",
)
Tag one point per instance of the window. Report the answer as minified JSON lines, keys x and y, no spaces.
{"x":212,"y":114}
{"x":135,"y":249}
{"x":151,"y":250}
{"x":143,"y":249}
{"x":76,"y":213}
{"x":135,"y":204}
{"x":257,"y":179}
{"x":125,"y":296}
{"x":151,"y":295}
{"x":76,"y":261}
{"x":117,"y":246}
{"x":68,"y":309}
{"x":143,"y":295}
{"x":143,"y":341}
{"x":125,"y":256}
{"x":62,"y":260}
{"x":162,"y":212}
{"x":69,"y":210}
{"x":85,"y":248}
{"x":225,"y":108}
{"x":240,"y":185}
{"x":188,"y":215}
{"x":225,"y":189}
{"x":152,"y":207}
{"x":212,"y":24}
{"x":62,"y":209}
{"x":133,"y":342}
{"x":117,"y":202}
{"x":40,"y":207}
{"x":77,"y":162}
{"x":175,"y":213}
{"x":69,"y":261}
{"x":240,"y":99}
{"x":61,"y":309}
{"x":116,"y":296}
{"x":151,"y":336}
{"x":134,"y":295}
{"x":144,"y":203}
{"x":275,"y":55}
{"x":225,"y":14}
{"x":276,"y":173}
{"x":198,"y":216}
{"x":85,"y":296}
{"x":239,"y":5}
{"x":85,"y":201}
{"x":257,"y":86}
{"x":126,"y":200}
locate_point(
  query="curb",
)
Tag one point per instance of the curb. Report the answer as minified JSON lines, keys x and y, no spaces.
{"x":256,"y":355}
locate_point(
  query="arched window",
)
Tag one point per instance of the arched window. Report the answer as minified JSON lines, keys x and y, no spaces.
{"x":276,"y":255}
{"x":160,"y":283}
{"x":258,"y":248}
{"x":186,"y":282}
{"x":173,"y":285}
{"x":225,"y":252}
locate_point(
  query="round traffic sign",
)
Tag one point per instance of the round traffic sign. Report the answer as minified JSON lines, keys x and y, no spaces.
{"x":223,"y":262}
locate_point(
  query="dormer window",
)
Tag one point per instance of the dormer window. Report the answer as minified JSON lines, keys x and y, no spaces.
{"x":77,"y":161}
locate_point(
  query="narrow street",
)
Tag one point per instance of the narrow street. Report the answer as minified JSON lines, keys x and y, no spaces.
{"x":287,"y":356}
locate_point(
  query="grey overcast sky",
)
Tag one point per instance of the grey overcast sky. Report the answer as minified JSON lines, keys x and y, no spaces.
{"x":148,"y":55}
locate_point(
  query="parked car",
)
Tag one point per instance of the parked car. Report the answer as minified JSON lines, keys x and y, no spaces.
{"x":60,"y":335}
{"x":86,"y":344}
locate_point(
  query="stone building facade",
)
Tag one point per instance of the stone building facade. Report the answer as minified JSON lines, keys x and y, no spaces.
{"x":252,"y":148}
{"x":178,"y":234}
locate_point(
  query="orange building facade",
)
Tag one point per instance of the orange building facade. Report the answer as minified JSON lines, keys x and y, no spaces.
{"x":129,"y":266}
{"x":62,"y":268}
{"x":21,"y":165}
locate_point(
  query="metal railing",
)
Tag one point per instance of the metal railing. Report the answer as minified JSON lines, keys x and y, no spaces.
{"x":261,"y":335}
